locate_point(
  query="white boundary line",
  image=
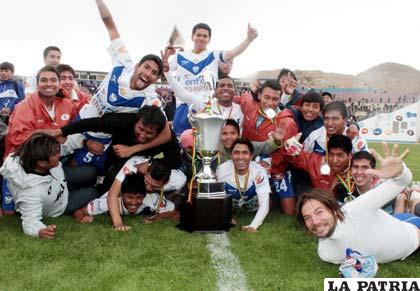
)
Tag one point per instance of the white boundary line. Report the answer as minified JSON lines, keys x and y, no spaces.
{"x":229,"y":272}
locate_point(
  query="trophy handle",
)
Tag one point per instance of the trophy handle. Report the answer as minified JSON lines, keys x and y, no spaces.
{"x":190,"y":116}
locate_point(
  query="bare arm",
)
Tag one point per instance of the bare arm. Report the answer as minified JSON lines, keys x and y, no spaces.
{"x":163,"y":137}
{"x":114,"y":207}
{"x":393,"y":169}
{"x":251,"y":35}
{"x":107,"y":19}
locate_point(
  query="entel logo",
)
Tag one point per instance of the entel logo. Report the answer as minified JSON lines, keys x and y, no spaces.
{"x":196,"y":81}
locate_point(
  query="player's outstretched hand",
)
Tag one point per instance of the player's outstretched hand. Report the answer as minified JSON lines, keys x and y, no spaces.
{"x":291,"y":84}
{"x":249,"y":229}
{"x":122,"y":228}
{"x":123,"y":151}
{"x":252,"y":33}
{"x":169,"y":51}
{"x":95,"y":147}
{"x":150,"y":219}
{"x":391,"y":164}
{"x":292,"y":146}
{"x":53,"y":132}
{"x":48,"y":232}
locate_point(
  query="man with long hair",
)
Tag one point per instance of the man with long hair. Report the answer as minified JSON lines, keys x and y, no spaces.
{"x":361,"y":224}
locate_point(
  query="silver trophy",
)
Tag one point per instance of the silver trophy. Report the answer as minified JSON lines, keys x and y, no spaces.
{"x":208,"y":127}
{"x":175,"y":39}
{"x":209,"y":208}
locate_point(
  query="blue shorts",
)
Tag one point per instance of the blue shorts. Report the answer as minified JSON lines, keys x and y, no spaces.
{"x":7,"y":202}
{"x":282,"y":185}
{"x":408,"y":217}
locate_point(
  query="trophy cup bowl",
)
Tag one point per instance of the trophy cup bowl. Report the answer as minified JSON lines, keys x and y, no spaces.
{"x":210,"y":209}
{"x":208,"y":127}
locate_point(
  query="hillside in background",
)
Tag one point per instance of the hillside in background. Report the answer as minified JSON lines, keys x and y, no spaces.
{"x":389,"y":77}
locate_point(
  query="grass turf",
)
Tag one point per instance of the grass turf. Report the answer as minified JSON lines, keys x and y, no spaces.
{"x":281,"y":256}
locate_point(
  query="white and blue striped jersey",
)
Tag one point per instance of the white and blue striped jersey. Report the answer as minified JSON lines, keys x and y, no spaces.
{"x":257,"y":190}
{"x":114,"y":94}
{"x":197,"y":73}
{"x":316,"y":142}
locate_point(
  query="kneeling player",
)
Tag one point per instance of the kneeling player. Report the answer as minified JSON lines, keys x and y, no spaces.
{"x":247,"y":182}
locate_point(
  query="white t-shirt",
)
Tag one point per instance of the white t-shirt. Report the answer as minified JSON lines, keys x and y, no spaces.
{"x":257,"y":191}
{"x":176,"y":181}
{"x":370,"y":230}
{"x":197,"y":73}
{"x":233,"y":112}
{"x":316,"y":141}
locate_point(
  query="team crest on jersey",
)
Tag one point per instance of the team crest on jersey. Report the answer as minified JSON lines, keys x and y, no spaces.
{"x":259,"y":179}
{"x":8,"y":199}
{"x":196,"y":69}
{"x":113,"y":97}
{"x":65,"y":117}
{"x":123,"y":92}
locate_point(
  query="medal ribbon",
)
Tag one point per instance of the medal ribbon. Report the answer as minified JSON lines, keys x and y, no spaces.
{"x":220,"y":110}
{"x":265,"y":115}
{"x":238,"y":184}
{"x":157,"y":210}
{"x":348,"y":184}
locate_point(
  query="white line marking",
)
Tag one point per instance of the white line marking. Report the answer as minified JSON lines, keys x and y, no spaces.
{"x":229,"y":272}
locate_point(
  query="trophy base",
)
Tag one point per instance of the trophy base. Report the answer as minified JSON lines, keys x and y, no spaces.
{"x":209,"y":211}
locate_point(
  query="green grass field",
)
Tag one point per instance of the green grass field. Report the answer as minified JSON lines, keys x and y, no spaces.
{"x":281,"y":256}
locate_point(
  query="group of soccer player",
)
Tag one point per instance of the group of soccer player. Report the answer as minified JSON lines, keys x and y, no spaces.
{"x":115,"y":152}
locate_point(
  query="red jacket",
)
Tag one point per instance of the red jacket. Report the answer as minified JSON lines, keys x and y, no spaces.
{"x":286,"y":120}
{"x":31,"y":114}
{"x":82,"y":98}
{"x":311,"y":163}
{"x":249,"y":108}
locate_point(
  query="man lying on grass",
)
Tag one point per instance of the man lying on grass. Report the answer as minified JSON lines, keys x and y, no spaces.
{"x":133,"y":200}
{"x":361,"y":224}
{"x":247,"y":182}
{"x":41,"y":187}
{"x":157,"y":177}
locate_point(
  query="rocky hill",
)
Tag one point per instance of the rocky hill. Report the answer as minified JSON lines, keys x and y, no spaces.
{"x":389,"y":77}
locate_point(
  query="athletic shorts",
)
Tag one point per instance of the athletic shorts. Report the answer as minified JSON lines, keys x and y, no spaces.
{"x":408,"y":217}
{"x":282,"y":186}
